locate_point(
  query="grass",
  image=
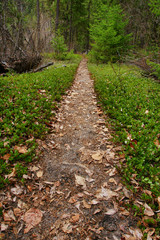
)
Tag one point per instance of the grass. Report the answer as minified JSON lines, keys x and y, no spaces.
{"x":132,"y":103}
{"x":27,"y":105}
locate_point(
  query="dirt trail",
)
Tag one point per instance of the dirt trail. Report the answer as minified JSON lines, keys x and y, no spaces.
{"x":80,"y":194}
{"x":85,"y":206}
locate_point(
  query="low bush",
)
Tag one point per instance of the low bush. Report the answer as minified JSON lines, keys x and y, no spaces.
{"x":132,"y":103}
{"x":26,"y":105}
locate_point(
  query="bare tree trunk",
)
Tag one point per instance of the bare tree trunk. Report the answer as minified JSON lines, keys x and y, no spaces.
{"x":57,"y":16}
{"x":38,"y":26}
{"x":88,"y":33}
{"x":70,"y":27}
{"x":2,"y":25}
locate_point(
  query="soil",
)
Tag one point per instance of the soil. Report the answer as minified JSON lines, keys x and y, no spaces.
{"x":75,"y":186}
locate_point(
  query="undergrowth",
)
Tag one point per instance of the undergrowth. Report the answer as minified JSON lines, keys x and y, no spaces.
{"x":27,"y":105}
{"x":132,"y":103}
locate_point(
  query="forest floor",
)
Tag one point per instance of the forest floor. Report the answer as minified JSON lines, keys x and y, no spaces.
{"x":74,"y":191}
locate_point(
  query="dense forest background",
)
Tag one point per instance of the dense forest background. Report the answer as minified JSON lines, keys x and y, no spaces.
{"x":109,"y":27}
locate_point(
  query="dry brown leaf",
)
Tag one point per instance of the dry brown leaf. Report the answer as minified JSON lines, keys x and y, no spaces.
{"x":17,"y":212}
{"x":158,"y":199}
{"x":136,"y":233}
{"x":39,"y":173}
{"x":111,"y":212}
{"x":72,"y":200}
{"x":112,"y":180}
{"x":147,"y":192}
{"x":3,"y":227}
{"x":124,"y":212}
{"x":98,"y":156}
{"x":105,"y":193}
{"x":97,"y":211}
{"x":67,"y":228}
{"x":94,"y":202}
{"x":12,"y":174}
{"x":9,"y":216}
{"x":75,"y":218}
{"x":17,"y":190}
{"x":32,"y":217}
{"x":157,"y":143}
{"x":34,"y":168}
{"x":129,"y":237}
{"x":6,"y":156}
{"x":86,"y":205}
{"x":22,"y":149}
{"x":126,"y":192}
{"x":148,"y":211}
{"x":80,"y":181}
{"x":22,"y":205}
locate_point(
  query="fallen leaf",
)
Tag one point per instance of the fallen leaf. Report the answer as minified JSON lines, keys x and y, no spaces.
{"x":67,"y":228}
{"x":9,"y":216}
{"x":136,"y":233}
{"x":157,"y":143}
{"x":98,"y":156}
{"x":105,"y":193}
{"x":17,"y":212}
{"x":72,"y":200}
{"x":158,"y":199}
{"x":80,"y":181}
{"x":129,"y":237}
{"x":6,"y":156}
{"x":126,"y":192}
{"x":3,"y":227}
{"x":22,"y":205}
{"x":148,"y":211}
{"x":17,"y":190}
{"x":97,"y":211}
{"x":22,"y":149}
{"x":86,"y":205}
{"x":39,"y":173}
{"x":94,"y":202}
{"x":124,"y":212}
{"x":111,"y":212}
{"x":12,"y":174}
{"x":112,"y":180}
{"x":75,"y":218}
{"x":32,"y":217}
{"x":34,"y":168}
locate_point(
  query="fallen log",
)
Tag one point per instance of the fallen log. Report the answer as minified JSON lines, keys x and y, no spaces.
{"x":42,"y":67}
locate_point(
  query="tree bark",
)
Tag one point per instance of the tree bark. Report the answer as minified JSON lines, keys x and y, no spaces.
{"x":70,"y":27}
{"x":88,"y":33}
{"x":57,"y":16}
{"x":38,"y":26}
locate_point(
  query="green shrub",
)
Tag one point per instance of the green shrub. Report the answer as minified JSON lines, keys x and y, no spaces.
{"x":132,"y":103}
{"x":59,"y":46}
{"x":26,"y":105}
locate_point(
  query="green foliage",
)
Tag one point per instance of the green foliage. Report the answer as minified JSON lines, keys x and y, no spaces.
{"x":156,"y":68}
{"x":133,"y":103}
{"x":27,"y":102}
{"x":59,"y":47}
{"x":108,"y":34}
{"x":155,"y":6}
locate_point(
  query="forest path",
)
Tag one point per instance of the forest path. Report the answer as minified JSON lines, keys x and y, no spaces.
{"x":77,"y":193}
{"x":86,"y":184}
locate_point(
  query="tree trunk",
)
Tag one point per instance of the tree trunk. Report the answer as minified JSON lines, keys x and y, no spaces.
{"x":57,"y":16}
{"x":38,"y":26}
{"x":70,"y":27}
{"x":88,"y":33}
